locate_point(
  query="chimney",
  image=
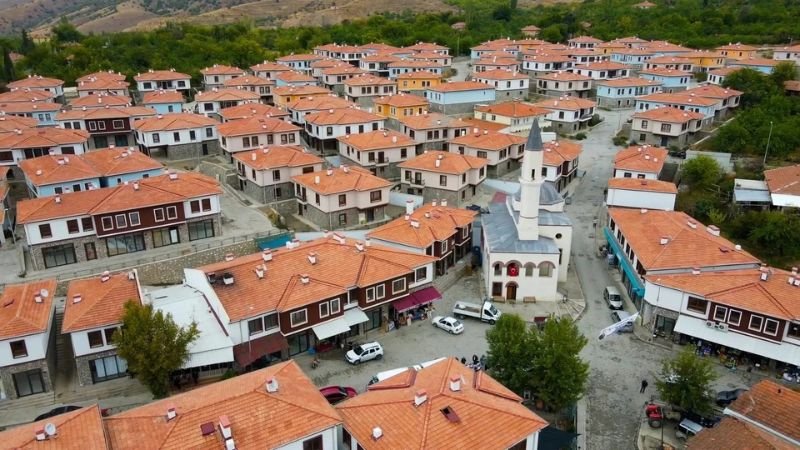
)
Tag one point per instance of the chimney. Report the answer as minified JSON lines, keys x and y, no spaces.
{"x":692,"y":224}
{"x":37,"y":298}
{"x":765,"y":273}
{"x":644,"y":211}
{"x":173,"y":175}
{"x":409,"y":207}
{"x":713,"y":230}
{"x":329,"y":172}
{"x":695,"y":271}
{"x":304,"y":278}
{"x":58,"y":199}
{"x":229,"y":257}
{"x":376,"y":433}
{"x":367,"y":242}
{"x":434,"y":203}
{"x":266,"y":255}
{"x":225,"y":427}
{"x":407,"y":217}
{"x":105,"y":276}
{"x":272,"y":385}
{"x":438,"y":162}
{"x":415,"y":223}
{"x":312,"y":258}
{"x":76,"y":298}
{"x":259,"y":270}
{"x":455,"y":383}
{"x":253,"y":156}
{"x":339,"y":238}
{"x":359,"y":246}
{"x":664,"y":240}
{"x":443,"y":202}
{"x":171,"y":412}
{"x":420,"y":397}
{"x":316,"y":179}
{"x":40,"y":435}
{"x":135,"y":185}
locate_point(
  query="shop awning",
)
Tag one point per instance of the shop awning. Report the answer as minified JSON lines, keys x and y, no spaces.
{"x":623,"y":262}
{"x":355,"y":316}
{"x":331,"y":328}
{"x":420,"y":297}
{"x":247,"y":352}
{"x":697,"y":328}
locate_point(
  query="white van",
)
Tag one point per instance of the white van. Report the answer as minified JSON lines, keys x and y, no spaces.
{"x":380,"y":376}
{"x":612,"y":297}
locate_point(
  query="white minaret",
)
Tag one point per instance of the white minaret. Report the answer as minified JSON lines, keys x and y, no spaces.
{"x":530,"y":180}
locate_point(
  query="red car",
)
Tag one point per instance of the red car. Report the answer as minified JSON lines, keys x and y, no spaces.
{"x":336,"y":394}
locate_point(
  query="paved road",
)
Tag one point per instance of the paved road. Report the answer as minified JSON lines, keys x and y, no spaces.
{"x":460,"y":66}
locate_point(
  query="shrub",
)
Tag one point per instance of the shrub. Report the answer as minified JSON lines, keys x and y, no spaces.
{"x":580,"y":136}
{"x":595,"y":120}
{"x":620,"y":141}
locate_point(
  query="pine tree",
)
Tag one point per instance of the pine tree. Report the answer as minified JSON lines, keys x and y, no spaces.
{"x":8,"y":66}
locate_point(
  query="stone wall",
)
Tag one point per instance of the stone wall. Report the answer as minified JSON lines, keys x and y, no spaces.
{"x":503,"y":168}
{"x":453,"y":197}
{"x":616,"y":103}
{"x":170,"y":271}
{"x":267,"y":194}
{"x":84,"y":371}
{"x":192,"y":150}
{"x":512,"y":94}
{"x":330,"y":221}
{"x":225,"y":173}
{"x":459,"y":108}
{"x":7,"y":375}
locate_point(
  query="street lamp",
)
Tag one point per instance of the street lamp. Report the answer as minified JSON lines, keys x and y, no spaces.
{"x":769,"y":137}
{"x":13,"y":230}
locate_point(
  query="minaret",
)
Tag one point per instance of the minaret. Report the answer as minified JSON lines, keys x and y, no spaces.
{"x":530,"y":180}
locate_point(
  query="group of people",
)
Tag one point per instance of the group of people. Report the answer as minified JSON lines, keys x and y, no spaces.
{"x":477,"y":363}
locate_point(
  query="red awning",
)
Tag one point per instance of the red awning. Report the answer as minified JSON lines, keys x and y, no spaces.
{"x":247,"y":352}
{"x":420,"y":297}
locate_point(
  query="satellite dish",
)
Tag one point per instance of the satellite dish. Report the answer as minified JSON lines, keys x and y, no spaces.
{"x":44,"y":293}
{"x":50,"y":429}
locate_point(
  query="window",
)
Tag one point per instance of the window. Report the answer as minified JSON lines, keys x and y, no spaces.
{"x":370,"y":295}
{"x":794,"y":331}
{"x":87,"y":224}
{"x":342,"y":199}
{"x":205,"y":204}
{"x":442,"y":180}
{"x":335,"y":306}
{"x":120,"y":220}
{"x":134,"y":219}
{"x":420,"y":274}
{"x":194,"y":205}
{"x":734,"y":317}
{"x":482,"y":154}
{"x":324,"y":310}
{"x":720,"y":313}
{"x":697,"y":305}
{"x":156,"y":138}
{"x":92,"y":126}
{"x":255,"y":326}
{"x":314,"y":443}
{"x":172,"y":212}
{"x":316,"y":198}
{"x":95,"y":339}
{"x":342,"y":219}
{"x":545,"y":270}
{"x":107,"y":368}
{"x":276,"y":175}
{"x":375,"y":196}
{"x":666,"y":127}
{"x":380,"y":291}
{"x":72,"y":226}
{"x":127,"y":243}
{"x":158,"y":213}
{"x":59,"y":255}
{"x":45,"y":231}
{"x":209,"y":132}
{"x":298,"y":317}
{"x":771,"y":327}
{"x":755,"y":323}
{"x":18,"y":349}
{"x":329,"y":131}
{"x":201,"y":230}
{"x":403,"y":153}
{"x":165,"y":236}
{"x":398,"y":285}
{"x":117,"y":124}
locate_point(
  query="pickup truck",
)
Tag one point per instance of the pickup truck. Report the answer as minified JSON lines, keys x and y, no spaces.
{"x":486,"y":312}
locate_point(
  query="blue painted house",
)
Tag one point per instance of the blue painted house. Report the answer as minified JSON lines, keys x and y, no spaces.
{"x":763,"y":65}
{"x":164,"y":102}
{"x":622,"y":92}
{"x":459,"y":97}
{"x":671,"y":80}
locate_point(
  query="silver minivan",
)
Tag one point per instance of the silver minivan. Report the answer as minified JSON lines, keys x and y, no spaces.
{"x":687,"y":429}
{"x":612,"y":297}
{"x":618,"y":316}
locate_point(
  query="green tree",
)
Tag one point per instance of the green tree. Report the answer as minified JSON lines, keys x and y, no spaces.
{"x":65,"y":32}
{"x":685,"y":381}
{"x":756,"y":87}
{"x":701,"y":172}
{"x":559,"y":375}
{"x":153,"y":345}
{"x":783,"y":71}
{"x":26,"y":43}
{"x":8,"y":66}
{"x":510,"y":352}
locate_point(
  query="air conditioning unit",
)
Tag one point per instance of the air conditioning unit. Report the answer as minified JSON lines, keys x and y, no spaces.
{"x":710,"y":323}
{"x":722,"y":326}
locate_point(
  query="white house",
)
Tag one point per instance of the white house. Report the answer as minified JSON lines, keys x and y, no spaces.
{"x":177,"y":136}
{"x":783,"y":187}
{"x":665,"y":127}
{"x":379,"y":151}
{"x":323,"y":127}
{"x":266,"y":174}
{"x":507,"y":84}
{"x":163,"y":80}
{"x":216,"y":75}
{"x":251,"y":134}
{"x":568,"y":113}
{"x":212,"y":102}
{"x":641,"y":193}
{"x":501,"y":151}
{"x":443,"y":176}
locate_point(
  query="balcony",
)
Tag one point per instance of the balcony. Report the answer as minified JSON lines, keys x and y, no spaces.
{"x":416,"y":182}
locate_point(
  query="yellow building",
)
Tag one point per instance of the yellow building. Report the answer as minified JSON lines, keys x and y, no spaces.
{"x":417,"y":81}
{"x":704,"y":61}
{"x":737,"y":51}
{"x":400,"y":106}
{"x":283,"y":95}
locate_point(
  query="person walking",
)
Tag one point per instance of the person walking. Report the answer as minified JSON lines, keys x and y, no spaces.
{"x":644,"y":386}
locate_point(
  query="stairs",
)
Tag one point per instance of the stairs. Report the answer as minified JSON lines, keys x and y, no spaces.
{"x":64,"y":360}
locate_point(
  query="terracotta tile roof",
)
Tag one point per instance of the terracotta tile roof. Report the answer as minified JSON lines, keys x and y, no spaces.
{"x":259,"y":125}
{"x":379,"y":47}
{"x":99,"y":303}
{"x":602,"y":65}
{"x":435,"y":223}
{"x":733,"y":434}
{"x":105,"y":75}
{"x":415,"y":64}
{"x":401,"y":100}
{"x":9,"y":123}
{"x":221,"y":69}
{"x":548,"y":57}
{"x":390,"y":406}
{"x":35,"y":81}
{"x":258,"y":418}
{"x":531,"y":28}
{"x":295,"y":77}
{"x":564,"y":76}
{"x":341,"y":179}
{"x":299,"y":57}
{"x":226,"y":95}
{"x":368,"y":79}
{"x":771,"y":405}
{"x":783,"y":180}
{"x":496,"y":61}
{"x":157,"y":97}
{"x":339,"y":48}
{"x":628,"y":82}
{"x":119,"y":160}
{"x":173,"y":121}
{"x":269,"y":66}
{"x":249,"y":110}
{"x":162,"y":75}
{"x":342,"y":117}
{"x":42,"y":137}
{"x":450,"y":163}
{"x":723,"y":72}
{"x":585,"y":39}
{"x":641,"y":158}
{"x":457,"y":86}
{"x":106,"y":112}
{"x":713,"y":91}
{"x":755,"y":62}
{"x":680,"y":99}
{"x":632,"y":184}
{"x":419,"y":74}
{"x":29,"y":107}
{"x":665,"y":47}
{"x":325,"y":63}
{"x":488,"y":140}
{"x":278,"y":156}
{"x":100,"y":100}
{"x":665,"y":72}
{"x":338,"y":268}
{"x":26,"y":95}
{"x":566,"y":103}
{"x":792,"y":85}
{"x":377,"y":140}
{"x":669,"y":60}
{"x":52,"y":169}
{"x":427,"y":121}
{"x":471,"y":122}
{"x":102,"y":84}
{"x":342,"y":69}
{"x":513,"y":109}
{"x":301,"y":90}
{"x":380,"y":57}
{"x":559,"y":152}
{"x":669,"y":114}
{"x":152,"y":191}
{"x":427,"y":55}
{"x":319,"y":103}
{"x":425,"y":47}
{"x":248,"y":80}
{"x":20,"y":314}
{"x":687,"y":247}
{"x":77,"y":430}
{"x":634,"y":51}
{"x":501,"y":74}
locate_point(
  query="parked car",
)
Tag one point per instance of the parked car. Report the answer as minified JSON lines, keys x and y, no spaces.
{"x":364,"y":352}
{"x":57,"y":411}
{"x":336,"y":394}
{"x":725,"y":398}
{"x":687,"y":429}
{"x":612,"y":297}
{"x":705,"y":421}
{"x":486,"y":312}
{"x":619,"y":316}
{"x":449,"y":324}
{"x":477,"y":208}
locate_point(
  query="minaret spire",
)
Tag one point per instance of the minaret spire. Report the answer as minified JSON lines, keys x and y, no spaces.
{"x":530,"y":181}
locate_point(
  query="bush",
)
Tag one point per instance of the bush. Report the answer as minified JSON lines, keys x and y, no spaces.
{"x":620,"y":141}
{"x":595,"y":120}
{"x":701,"y":76}
{"x":230,"y":373}
{"x":580,"y":136}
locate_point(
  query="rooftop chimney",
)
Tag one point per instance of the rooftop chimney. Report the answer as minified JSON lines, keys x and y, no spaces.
{"x":443,"y":202}
{"x":377,"y":433}
{"x":434,"y":202}
{"x":312,"y":258}
{"x":105,"y":276}
{"x":692,"y":224}
{"x":40,"y":435}
{"x":695,"y":271}
{"x":420,"y":397}
{"x":455,"y":383}
{"x":259,"y":270}
{"x":304,"y":278}
{"x":359,"y":246}
{"x":266,"y":255}
{"x":664,"y":240}
{"x":225,"y":427}
{"x":272,"y":385}
{"x":37,"y":298}
{"x":316,"y":179}
{"x":171,"y":412}
{"x":713,"y":230}
{"x":367,"y":242}
{"x":415,"y":223}
{"x":76,"y":298}
{"x":58,"y":199}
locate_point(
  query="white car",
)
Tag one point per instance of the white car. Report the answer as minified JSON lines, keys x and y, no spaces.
{"x":449,"y":324}
{"x":364,"y":352}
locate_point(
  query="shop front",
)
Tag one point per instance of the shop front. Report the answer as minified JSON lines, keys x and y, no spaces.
{"x":261,"y":352}
{"x":630,"y":279}
{"x":415,"y":306}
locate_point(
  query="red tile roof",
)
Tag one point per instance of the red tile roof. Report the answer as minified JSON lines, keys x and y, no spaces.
{"x":427,"y":121}
{"x":641,"y":158}
{"x":566,"y":103}
{"x":299,"y":57}
{"x":100,"y":100}
{"x":772,"y":405}
{"x":221,"y":69}
{"x":418,"y":74}
{"x":390,"y":407}
{"x":76,"y":430}
{"x":488,"y":140}
{"x":501,"y":74}
{"x":682,"y":98}
{"x":713,"y":91}
{"x":20,"y":314}
{"x":248,"y":81}
{"x":52,"y":169}
{"x":91,"y":84}
{"x":602,"y":65}
{"x":29,"y":107}
{"x":342,"y":117}
{"x":295,"y":77}
{"x":106,"y":112}
{"x":162,"y":75}
{"x":157,"y":97}
{"x":9,"y":123}
{"x":119,"y":160}
{"x":35,"y":81}
{"x":105,"y":75}
{"x":173,"y":121}
{"x":319,"y":103}
{"x":227,"y":95}
{"x":783,"y":180}
{"x":434,"y":223}
{"x":26,"y":95}
{"x":341,"y":179}
{"x":269,"y":66}
{"x":377,"y":140}
{"x":564,"y":76}
{"x":300,"y":90}
{"x":669,"y":114}
{"x":513,"y":109}
{"x":733,"y":434}
{"x":401,"y":100}
{"x":251,"y":110}
{"x":451,"y":163}
{"x":278,"y":156}
{"x":368,"y":79}
{"x":95,"y":303}
{"x":633,"y":184}
{"x":42,"y":138}
{"x":256,"y":125}
{"x":559,"y":152}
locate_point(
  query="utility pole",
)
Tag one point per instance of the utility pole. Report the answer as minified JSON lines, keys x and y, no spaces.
{"x":769,"y":138}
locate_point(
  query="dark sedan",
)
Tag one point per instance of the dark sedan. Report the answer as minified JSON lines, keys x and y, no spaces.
{"x":705,"y":421}
{"x":725,"y":398}
{"x":336,"y":394}
{"x":56,"y":411}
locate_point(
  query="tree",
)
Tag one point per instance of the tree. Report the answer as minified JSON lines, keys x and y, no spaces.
{"x":559,"y":375}
{"x":509,"y":355}
{"x":783,"y":71}
{"x":153,"y":345}
{"x":8,"y":66}
{"x":26,"y":43}
{"x":756,"y":86}
{"x":65,"y":32}
{"x":685,"y":382}
{"x":701,"y":172}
